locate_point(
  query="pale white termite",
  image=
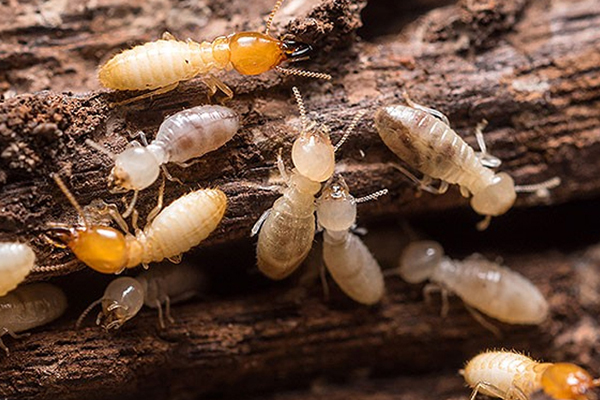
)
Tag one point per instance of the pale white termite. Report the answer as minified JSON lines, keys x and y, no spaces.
{"x":482,"y":284}
{"x":164,"y":284}
{"x":16,"y":261}
{"x":512,"y":376}
{"x":181,"y":137}
{"x":430,"y":146}
{"x":287,"y":230}
{"x":346,"y":257}
{"x":28,"y":307}
{"x":162,"y":64}
{"x":182,"y":225}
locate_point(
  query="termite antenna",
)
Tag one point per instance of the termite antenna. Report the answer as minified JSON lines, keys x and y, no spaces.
{"x":86,"y":312}
{"x":272,"y":15}
{"x":303,"y":73}
{"x":70,"y":197}
{"x":99,"y":148}
{"x":349,"y":130}
{"x":541,"y":189}
{"x":303,"y":117}
{"x":371,"y":196}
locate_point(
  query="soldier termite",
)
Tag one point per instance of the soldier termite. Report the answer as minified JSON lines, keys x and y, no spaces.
{"x":287,"y":229}
{"x":482,"y":284}
{"x":346,"y":257}
{"x":164,"y":284}
{"x":182,"y":225}
{"x":160,"y":65}
{"x":181,"y":137}
{"x":509,"y":375}
{"x":429,"y":145}
{"x":16,"y":261}
{"x":28,"y":307}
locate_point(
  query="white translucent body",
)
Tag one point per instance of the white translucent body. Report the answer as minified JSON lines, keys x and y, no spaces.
{"x":183,"y":136}
{"x":433,"y":148}
{"x":506,"y":371}
{"x":124,"y":297}
{"x":31,"y":306}
{"x":16,"y":261}
{"x":287,"y":234}
{"x":313,"y":154}
{"x":182,"y":225}
{"x":347,"y":259}
{"x":490,"y":288}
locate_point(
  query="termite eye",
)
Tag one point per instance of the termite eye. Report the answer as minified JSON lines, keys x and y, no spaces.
{"x":296,"y":51}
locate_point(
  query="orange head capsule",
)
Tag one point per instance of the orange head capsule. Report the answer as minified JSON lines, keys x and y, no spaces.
{"x":253,"y":53}
{"x":101,"y":248}
{"x":568,"y":381}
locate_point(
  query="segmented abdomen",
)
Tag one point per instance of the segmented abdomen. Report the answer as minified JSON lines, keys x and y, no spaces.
{"x":353,"y":267}
{"x":430,"y":146}
{"x":179,"y":227}
{"x":503,"y":370}
{"x":285,"y":238}
{"x":30,"y":306}
{"x":16,"y":260}
{"x":156,"y":64}
{"x":494,"y":290}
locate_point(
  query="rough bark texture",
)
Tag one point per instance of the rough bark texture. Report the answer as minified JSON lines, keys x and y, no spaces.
{"x":531,"y":68}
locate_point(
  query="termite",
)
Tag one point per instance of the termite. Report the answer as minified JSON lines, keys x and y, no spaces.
{"x":182,"y":225}
{"x":160,"y":65}
{"x":486,"y":286}
{"x":28,"y":307}
{"x":287,"y":229}
{"x":510,"y":375}
{"x":165,"y":284}
{"x":16,"y":261}
{"x":181,"y":137}
{"x":346,"y":257}
{"x":429,"y":145}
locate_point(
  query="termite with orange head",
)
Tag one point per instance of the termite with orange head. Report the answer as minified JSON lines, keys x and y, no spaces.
{"x":429,"y":145}
{"x":165,"y":284}
{"x":346,"y":257}
{"x":160,"y":65}
{"x":287,"y":230}
{"x":182,"y":225}
{"x":509,"y":375}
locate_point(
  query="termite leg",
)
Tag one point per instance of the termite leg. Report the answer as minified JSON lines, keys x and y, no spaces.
{"x":432,"y":111}
{"x":152,"y":93}
{"x":168,"y":310}
{"x":488,"y":387}
{"x":259,"y":222}
{"x":515,"y":393}
{"x":175,"y":259}
{"x":159,"y":203}
{"x":484,"y":223}
{"x":486,"y":159}
{"x":281,"y":167}
{"x":423,"y":183}
{"x":5,"y":331}
{"x":131,"y":205}
{"x":215,"y":83}
{"x":168,"y":175}
{"x":483,"y":322}
{"x":431,"y":288}
{"x":161,"y":320}
{"x":168,"y":36}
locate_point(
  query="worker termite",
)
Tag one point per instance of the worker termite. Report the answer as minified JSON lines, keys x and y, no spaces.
{"x":16,"y":261}
{"x":482,"y":284}
{"x":181,"y":137}
{"x":287,"y":229}
{"x":509,"y":375}
{"x":346,"y":257}
{"x":429,"y":145}
{"x":28,"y":307}
{"x":160,"y":65}
{"x":165,"y":284}
{"x":182,"y":225}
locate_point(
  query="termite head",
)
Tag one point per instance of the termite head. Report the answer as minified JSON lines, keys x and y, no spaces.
{"x":497,"y":198}
{"x":100,"y":248}
{"x":313,"y":154}
{"x":336,"y":207}
{"x":568,"y":381}
{"x":419,"y":260}
{"x":253,"y":53}
{"x":123,"y":299}
{"x":136,"y":168}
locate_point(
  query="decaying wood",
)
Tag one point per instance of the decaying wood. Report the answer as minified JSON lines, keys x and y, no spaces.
{"x":528,"y":67}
